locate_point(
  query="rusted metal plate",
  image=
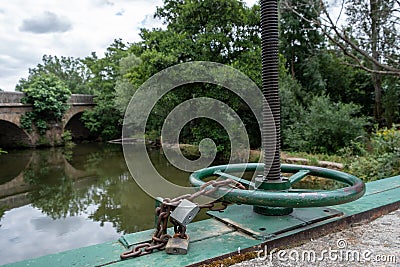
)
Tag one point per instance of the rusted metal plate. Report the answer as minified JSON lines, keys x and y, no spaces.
{"x":313,"y":215}
{"x":263,"y":227}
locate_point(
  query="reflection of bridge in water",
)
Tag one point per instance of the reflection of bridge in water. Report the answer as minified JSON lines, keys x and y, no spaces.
{"x":11,"y":110}
{"x":14,"y":191}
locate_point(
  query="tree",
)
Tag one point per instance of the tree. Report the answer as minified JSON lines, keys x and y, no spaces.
{"x":71,"y":71}
{"x":48,"y":96}
{"x":369,"y":39}
{"x":373,"y":24}
{"x":104,"y":120}
{"x":218,"y":30}
{"x":224,"y":31}
{"x":299,"y":40}
{"x":124,"y":88}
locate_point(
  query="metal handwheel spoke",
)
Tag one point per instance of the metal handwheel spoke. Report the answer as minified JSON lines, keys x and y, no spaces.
{"x":297,"y":177}
{"x":246,"y":183}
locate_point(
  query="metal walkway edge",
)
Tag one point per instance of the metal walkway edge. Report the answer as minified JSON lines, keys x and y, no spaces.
{"x":222,"y":236}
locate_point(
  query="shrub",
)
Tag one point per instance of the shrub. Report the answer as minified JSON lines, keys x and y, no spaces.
{"x":325,"y":127}
{"x":381,"y":159}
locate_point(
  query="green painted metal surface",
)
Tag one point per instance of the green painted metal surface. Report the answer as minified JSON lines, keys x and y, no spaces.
{"x":197,"y":231}
{"x":137,"y":238}
{"x":87,"y":256}
{"x":198,"y":251}
{"x":211,"y":238}
{"x":265,"y":227}
{"x":285,"y":198}
{"x":382,"y":185}
{"x":370,"y":202}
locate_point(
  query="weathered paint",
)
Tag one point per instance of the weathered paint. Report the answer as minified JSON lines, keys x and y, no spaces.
{"x":197,"y":231}
{"x":264,"y":227}
{"x":285,"y":198}
{"x":297,"y":177}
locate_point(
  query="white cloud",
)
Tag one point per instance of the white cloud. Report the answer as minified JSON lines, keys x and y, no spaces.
{"x":30,"y":29}
{"x":47,"y":22}
{"x":75,"y":28}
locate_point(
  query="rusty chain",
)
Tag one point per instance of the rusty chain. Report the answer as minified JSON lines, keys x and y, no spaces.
{"x":160,"y":237}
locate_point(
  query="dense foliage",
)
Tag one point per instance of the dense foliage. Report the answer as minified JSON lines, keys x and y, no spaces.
{"x":378,"y":158}
{"x":71,"y":71}
{"x":326,"y":101}
{"x":48,"y":96}
{"x":104,"y":120}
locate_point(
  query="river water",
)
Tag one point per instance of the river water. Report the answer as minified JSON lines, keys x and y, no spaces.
{"x":59,"y":199}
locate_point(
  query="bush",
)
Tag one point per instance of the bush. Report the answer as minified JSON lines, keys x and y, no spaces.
{"x":381,"y":158}
{"x":48,"y":96}
{"x":325,"y":127}
{"x":386,"y":141}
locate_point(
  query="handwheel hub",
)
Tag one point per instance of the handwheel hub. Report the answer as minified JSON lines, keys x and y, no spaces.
{"x":262,"y":183}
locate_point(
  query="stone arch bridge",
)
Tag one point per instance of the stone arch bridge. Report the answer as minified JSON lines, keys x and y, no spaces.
{"x":12,"y":135}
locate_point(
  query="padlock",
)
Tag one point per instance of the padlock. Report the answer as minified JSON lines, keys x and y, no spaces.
{"x":185,"y":212}
{"x":177,"y":245}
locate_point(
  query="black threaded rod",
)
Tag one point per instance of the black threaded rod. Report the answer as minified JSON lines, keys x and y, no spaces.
{"x":270,"y":76}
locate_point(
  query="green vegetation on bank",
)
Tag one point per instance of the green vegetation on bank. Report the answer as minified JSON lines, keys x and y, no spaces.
{"x":370,"y":159}
{"x":377,"y":158}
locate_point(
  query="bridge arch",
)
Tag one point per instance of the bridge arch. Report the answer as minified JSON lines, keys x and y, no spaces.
{"x":11,"y":110}
{"x":12,"y":136}
{"x":77,"y":128}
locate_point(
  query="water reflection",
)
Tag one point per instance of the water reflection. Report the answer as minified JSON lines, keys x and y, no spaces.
{"x":73,"y":194}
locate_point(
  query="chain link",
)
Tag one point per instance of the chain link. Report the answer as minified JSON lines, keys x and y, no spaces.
{"x":160,"y":237}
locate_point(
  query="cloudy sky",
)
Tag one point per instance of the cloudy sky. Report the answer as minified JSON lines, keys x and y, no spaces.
{"x":31,"y":28}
